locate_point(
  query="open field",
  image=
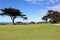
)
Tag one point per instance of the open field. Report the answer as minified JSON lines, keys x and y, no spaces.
{"x":30,"y":32}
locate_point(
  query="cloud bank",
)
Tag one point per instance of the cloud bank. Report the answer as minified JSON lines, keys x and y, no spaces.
{"x":41,"y":1}
{"x":55,"y":8}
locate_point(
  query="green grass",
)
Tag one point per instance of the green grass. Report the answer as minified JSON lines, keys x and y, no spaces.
{"x":30,"y":32}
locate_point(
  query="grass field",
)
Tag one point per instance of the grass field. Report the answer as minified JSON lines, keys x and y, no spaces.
{"x":30,"y":32}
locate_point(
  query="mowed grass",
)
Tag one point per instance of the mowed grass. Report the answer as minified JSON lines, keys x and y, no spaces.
{"x":30,"y":32}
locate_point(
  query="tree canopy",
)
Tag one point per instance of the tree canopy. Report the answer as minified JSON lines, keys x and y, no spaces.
{"x":54,"y":16}
{"x":13,"y":13}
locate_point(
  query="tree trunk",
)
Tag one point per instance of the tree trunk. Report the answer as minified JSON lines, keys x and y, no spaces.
{"x":13,"y":18}
{"x":13,"y":21}
{"x":46,"y":21}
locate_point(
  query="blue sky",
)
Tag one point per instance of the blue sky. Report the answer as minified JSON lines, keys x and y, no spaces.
{"x":34,"y":9}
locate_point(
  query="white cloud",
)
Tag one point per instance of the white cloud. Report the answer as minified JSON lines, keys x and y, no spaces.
{"x":56,"y":7}
{"x":53,"y":1}
{"x":42,"y":1}
{"x":43,"y":11}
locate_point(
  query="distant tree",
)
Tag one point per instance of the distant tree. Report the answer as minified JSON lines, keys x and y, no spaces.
{"x":13,"y":13}
{"x":32,"y":22}
{"x":19,"y":23}
{"x":25,"y":18}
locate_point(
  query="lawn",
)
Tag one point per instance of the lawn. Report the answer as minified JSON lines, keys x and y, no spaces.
{"x":30,"y":32}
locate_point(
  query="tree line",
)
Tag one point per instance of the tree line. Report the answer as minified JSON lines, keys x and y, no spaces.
{"x":13,"y":13}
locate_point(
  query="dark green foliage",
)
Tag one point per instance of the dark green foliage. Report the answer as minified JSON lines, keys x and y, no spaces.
{"x":32,"y":22}
{"x":54,"y":16}
{"x":45,"y":18}
{"x":25,"y":18}
{"x":13,"y":13}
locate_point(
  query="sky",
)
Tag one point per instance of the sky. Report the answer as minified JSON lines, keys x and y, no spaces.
{"x":34,"y":9}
